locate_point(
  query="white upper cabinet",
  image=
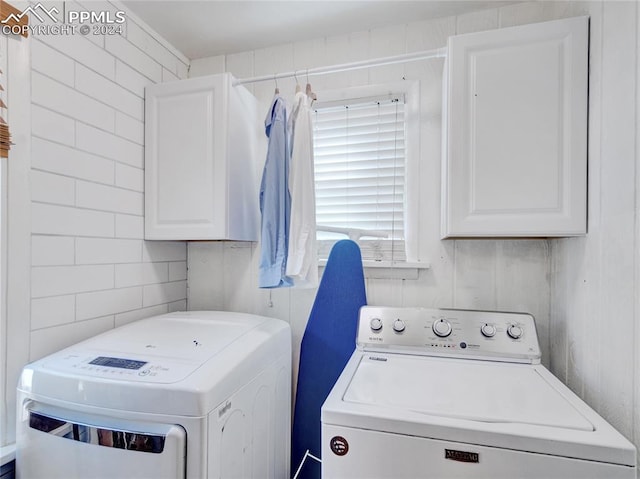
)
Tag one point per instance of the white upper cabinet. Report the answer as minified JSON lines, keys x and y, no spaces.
{"x":201,"y":145}
{"x":515,"y":132}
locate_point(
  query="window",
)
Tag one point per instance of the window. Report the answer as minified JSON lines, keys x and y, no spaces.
{"x":362,"y":153}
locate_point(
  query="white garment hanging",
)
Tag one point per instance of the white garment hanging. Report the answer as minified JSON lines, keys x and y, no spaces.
{"x":302,"y":259}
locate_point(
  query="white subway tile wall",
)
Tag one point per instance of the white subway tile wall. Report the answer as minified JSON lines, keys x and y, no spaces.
{"x":52,"y":250}
{"x":129,"y":226}
{"x":109,"y":145}
{"x":138,"y":274}
{"x":66,"y":100}
{"x":91,"y":268}
{"x":58,"y":66}
{"x":68,"y":160}
{"x":129,"y":128}
{"x":52,"y":126}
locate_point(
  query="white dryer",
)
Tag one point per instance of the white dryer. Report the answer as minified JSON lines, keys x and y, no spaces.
{"x":436,"y":393}
{"x":189,"y":394}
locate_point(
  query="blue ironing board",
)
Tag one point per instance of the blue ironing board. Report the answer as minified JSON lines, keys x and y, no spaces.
{"x":328,"y":342}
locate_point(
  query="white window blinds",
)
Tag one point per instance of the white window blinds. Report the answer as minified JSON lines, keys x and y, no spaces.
{"x":359,"y":150}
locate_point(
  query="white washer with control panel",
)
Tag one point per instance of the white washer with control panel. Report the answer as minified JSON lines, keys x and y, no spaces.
{"x":443,"y":393}
{"x":182,"y":395}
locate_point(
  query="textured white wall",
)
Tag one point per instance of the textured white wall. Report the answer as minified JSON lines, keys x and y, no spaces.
{"x":595,"y":332}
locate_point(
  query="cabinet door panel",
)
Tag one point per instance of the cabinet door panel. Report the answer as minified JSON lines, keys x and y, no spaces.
{"x":515,"y":155}
{"x":185,"y":161}
{"x":504,"y":115}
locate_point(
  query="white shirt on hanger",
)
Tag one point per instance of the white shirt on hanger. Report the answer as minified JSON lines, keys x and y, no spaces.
{"x":302,"y":259}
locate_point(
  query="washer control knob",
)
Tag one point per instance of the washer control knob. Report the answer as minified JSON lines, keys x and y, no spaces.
{"x":376,"y":324}
{"x":514,"y":331}
{"x":398,"y":325}
{"x":488,"y":330}
{"x":441,"y":327}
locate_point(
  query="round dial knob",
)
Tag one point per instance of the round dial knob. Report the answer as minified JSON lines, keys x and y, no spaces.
{"x":514,"y":331}
{"x":441,"y":327}
{"x":398,"y":325}
{"x":376,"y":324}
{"x":488,"y":330}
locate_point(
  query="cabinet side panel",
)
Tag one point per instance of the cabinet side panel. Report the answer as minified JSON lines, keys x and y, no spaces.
{"x":245,"y":146}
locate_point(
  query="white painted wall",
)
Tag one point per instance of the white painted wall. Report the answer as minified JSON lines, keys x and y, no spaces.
{"x":483,"y":274}
{"x":595,"y":329}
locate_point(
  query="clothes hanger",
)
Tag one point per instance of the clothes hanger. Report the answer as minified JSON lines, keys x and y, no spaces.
{"x":275,"y":79}
{"x":298,"y":87}
{"x":309,"y":91}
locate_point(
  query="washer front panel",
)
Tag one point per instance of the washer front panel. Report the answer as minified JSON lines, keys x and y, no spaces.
{"x":381,"y":455}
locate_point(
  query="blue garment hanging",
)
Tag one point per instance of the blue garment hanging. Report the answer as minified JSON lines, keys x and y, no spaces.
{"x":328,"y":342}
{"x":275,"y":200}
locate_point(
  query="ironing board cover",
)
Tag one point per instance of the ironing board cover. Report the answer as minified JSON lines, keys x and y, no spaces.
{"x":328,"y":342}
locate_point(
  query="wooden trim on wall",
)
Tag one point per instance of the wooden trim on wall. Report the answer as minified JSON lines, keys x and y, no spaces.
{"x":6,"y":10}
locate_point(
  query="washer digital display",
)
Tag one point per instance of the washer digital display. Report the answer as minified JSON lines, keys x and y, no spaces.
{"x":118,"y":363}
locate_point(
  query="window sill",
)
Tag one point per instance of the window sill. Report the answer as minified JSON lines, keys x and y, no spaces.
{"x":7,"y":454}
{"x":388,"y":269}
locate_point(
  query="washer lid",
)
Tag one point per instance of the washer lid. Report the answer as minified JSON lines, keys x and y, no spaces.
{"x":189,"y":336}
{"x":164,"y":349}
{"x":471,"y":390}
{"x":183,"y":363}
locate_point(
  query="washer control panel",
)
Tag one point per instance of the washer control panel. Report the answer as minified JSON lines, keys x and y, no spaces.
{"x":449,"y":332}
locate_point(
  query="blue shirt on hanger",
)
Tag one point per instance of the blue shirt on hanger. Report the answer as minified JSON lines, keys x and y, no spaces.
{"x":275,"y":200}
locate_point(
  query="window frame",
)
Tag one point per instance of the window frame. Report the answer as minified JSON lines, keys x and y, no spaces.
{"x":15,"y":261}
{"x":410,"y":90}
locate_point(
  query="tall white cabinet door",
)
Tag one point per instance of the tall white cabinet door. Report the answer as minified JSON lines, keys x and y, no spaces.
{"x":185,"y":160}
{"x":515,"y":129}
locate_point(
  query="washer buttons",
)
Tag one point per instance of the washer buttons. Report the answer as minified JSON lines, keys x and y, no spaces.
{"x":398,"y":326}
{"x":514,"y":331}
{"x":441,"y":327}
{"x":376,"y":324}
{"x":488,"y":330}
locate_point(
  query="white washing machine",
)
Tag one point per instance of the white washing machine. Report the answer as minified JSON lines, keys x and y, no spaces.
{"x":190,"y":394}
{"x":436,"y":393}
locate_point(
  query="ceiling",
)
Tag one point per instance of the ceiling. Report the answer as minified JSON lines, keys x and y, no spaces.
{"x":206,"y":28}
